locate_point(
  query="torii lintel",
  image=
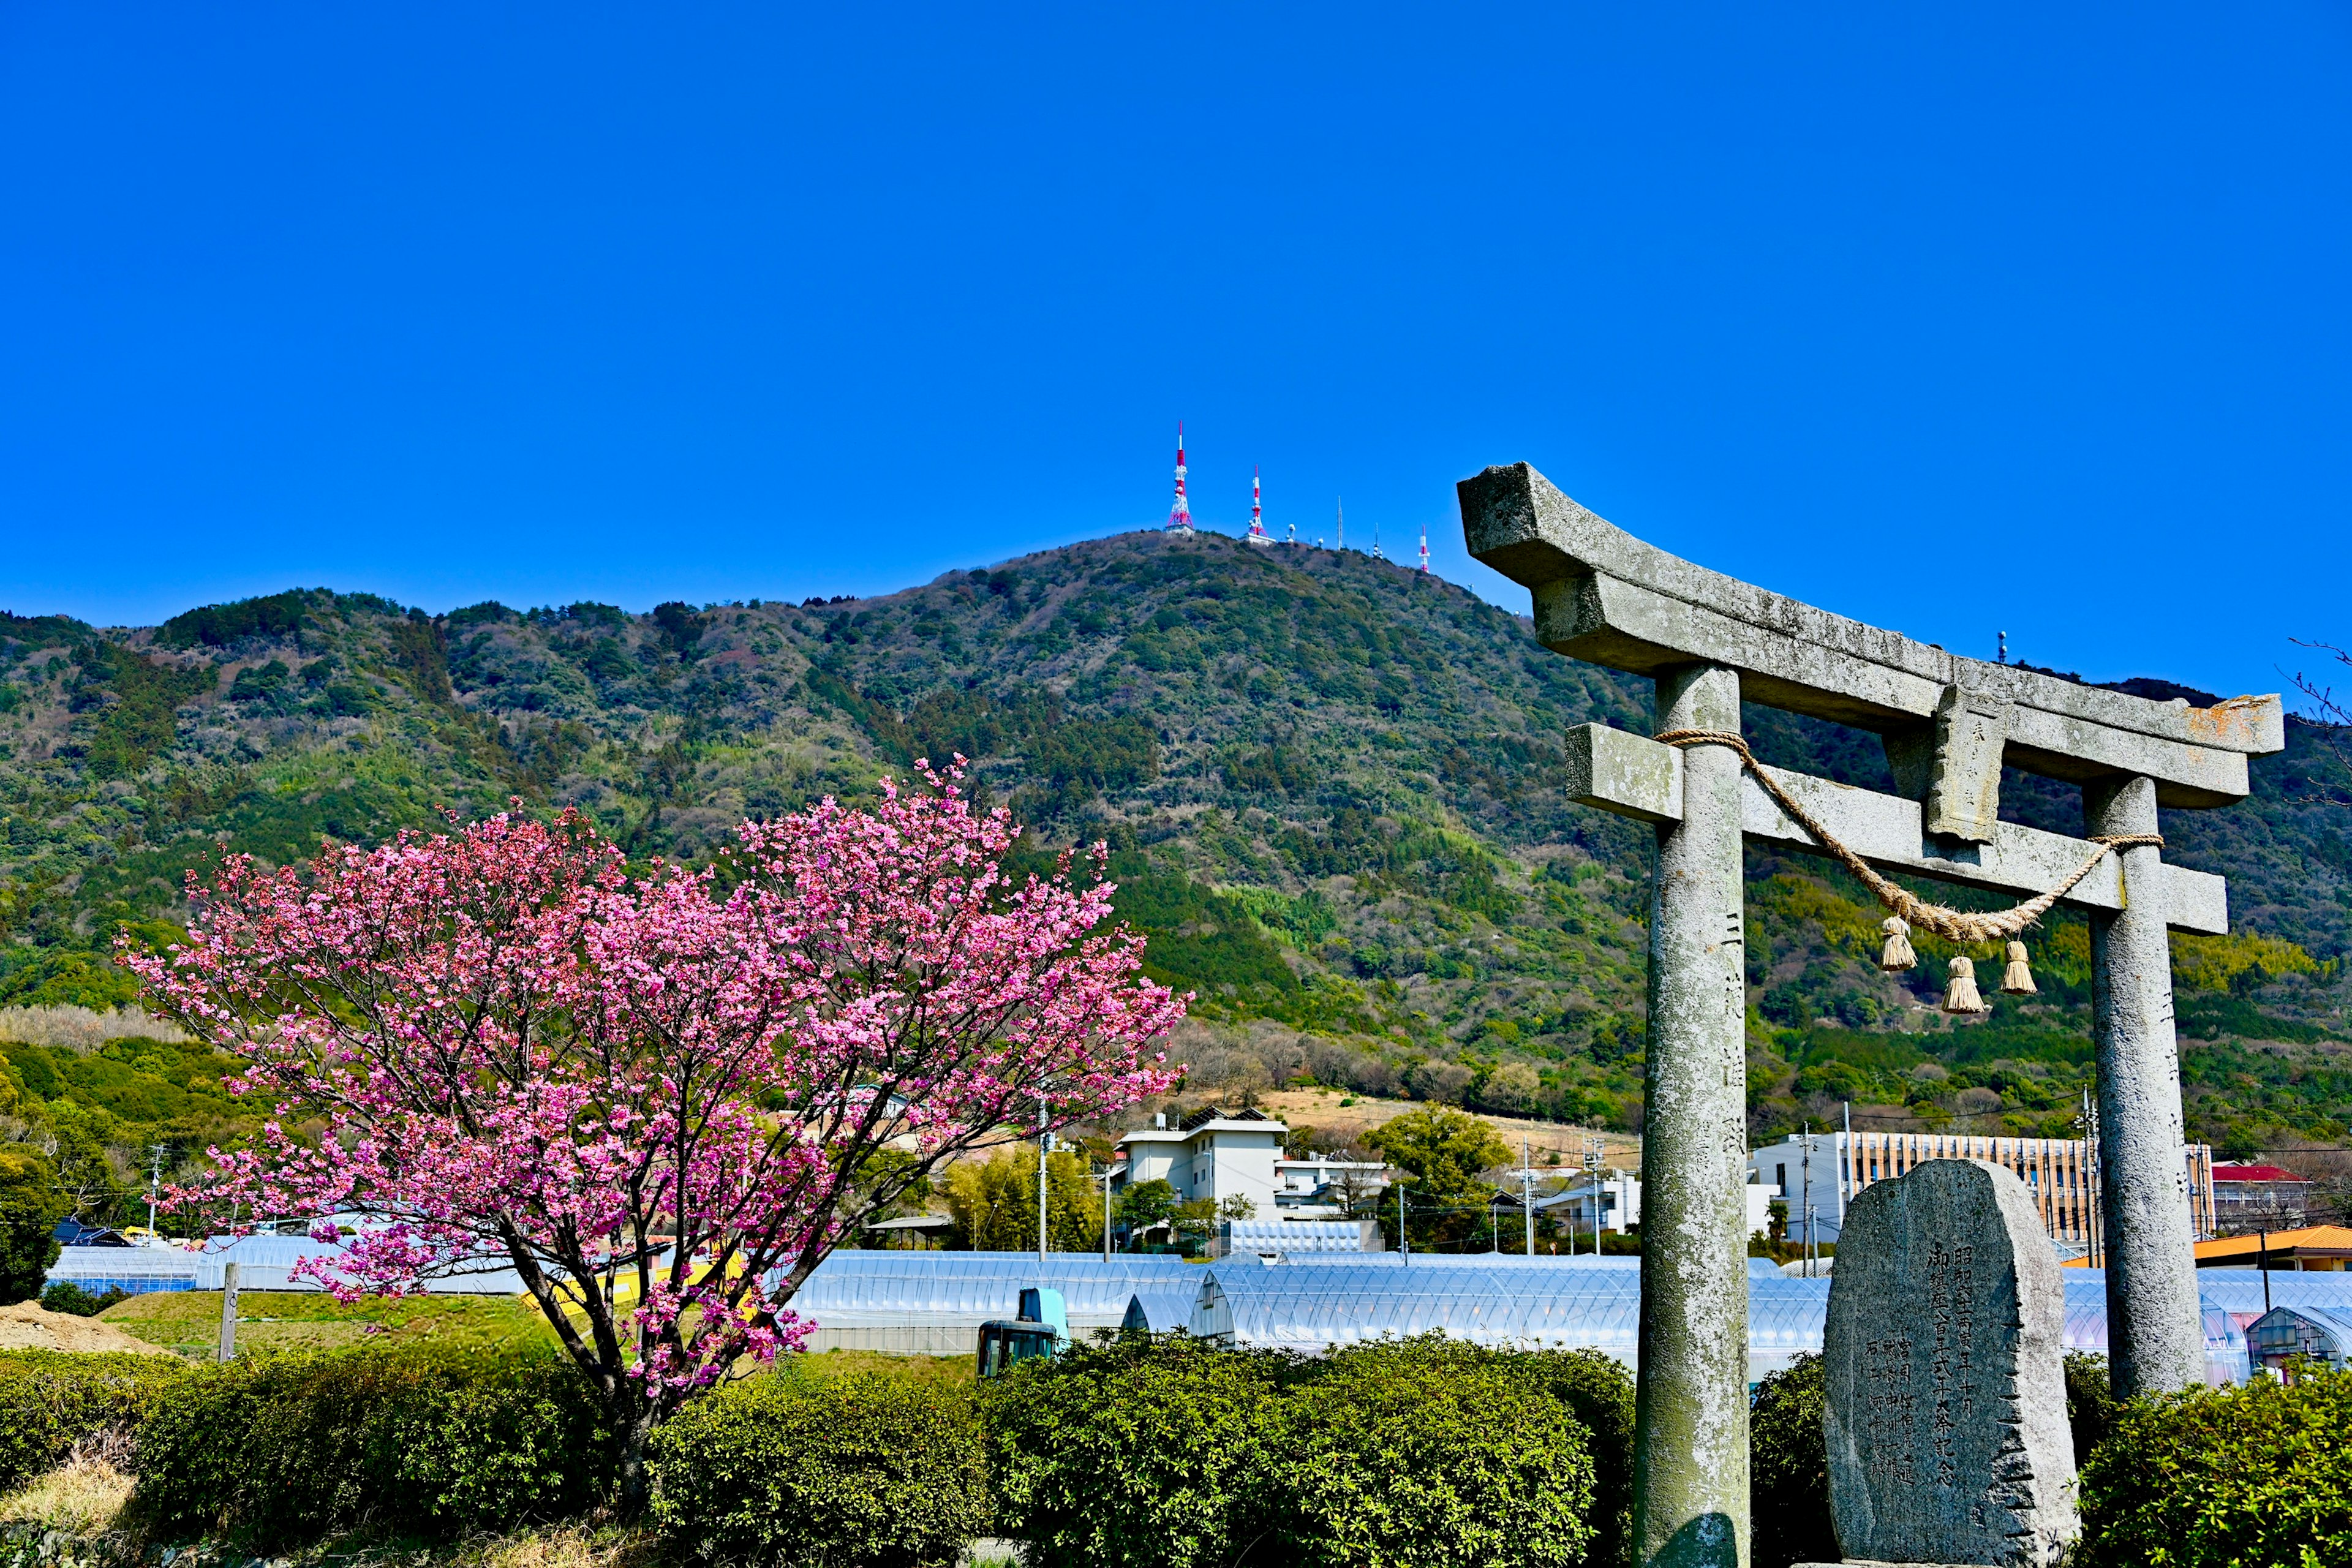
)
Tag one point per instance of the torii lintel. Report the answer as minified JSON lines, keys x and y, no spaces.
{"x":1635,"y":776}
{"x":1949,"y":723}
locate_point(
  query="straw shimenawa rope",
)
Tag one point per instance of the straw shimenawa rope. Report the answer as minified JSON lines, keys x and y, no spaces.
{"x":1952,"y":925}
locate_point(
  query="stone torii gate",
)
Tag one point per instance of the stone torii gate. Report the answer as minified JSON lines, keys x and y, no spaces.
{"x":1948,"y":724}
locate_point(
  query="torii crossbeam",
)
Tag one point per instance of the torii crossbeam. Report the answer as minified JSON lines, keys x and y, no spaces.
{"x":1949,"y":725}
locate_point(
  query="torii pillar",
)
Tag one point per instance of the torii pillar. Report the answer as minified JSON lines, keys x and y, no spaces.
{"x":1949,"y":724}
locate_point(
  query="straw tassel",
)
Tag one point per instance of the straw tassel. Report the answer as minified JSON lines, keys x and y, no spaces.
{"x":2017,"y":979}
{"x":1961,"y":996}
{"x":1898,"y":954}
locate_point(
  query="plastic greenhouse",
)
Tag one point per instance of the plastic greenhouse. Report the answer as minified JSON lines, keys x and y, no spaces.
{"x":932,"y":1303}
{"x":1294,"y":1237}
{"x":264,"y":1263}
{"x":2318,"y":1334}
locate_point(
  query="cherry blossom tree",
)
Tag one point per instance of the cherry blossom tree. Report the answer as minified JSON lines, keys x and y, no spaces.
{"x":660,"y":1098}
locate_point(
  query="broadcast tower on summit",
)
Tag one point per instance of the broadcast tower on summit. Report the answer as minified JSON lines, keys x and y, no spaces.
{"x":1180,"y":516}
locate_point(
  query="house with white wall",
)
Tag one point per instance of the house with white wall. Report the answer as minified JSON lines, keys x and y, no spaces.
{"x":1321,"y":1186}
{"x":1212,"y":1153}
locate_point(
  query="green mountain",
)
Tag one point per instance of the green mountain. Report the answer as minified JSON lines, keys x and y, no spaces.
{"x":1332,"y":788}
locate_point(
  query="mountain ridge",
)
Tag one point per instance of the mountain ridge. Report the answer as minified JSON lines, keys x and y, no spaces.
{"x":1330,"y":786}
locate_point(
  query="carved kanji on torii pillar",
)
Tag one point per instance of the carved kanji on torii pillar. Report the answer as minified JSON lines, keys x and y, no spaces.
{"x":1949,"y":724}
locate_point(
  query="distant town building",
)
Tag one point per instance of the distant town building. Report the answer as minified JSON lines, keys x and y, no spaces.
{"x":2322,"y":1248}
{"x":1323,"y":1186}
{"x":1613,"y":1201}
{"x":2252,"y":1197}
{"x":1596,"y":1203}
{"x":1823,"y":1171}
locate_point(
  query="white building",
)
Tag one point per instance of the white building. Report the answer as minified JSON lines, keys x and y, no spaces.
{"x":1212,"y":1154}
{"x":1825,"y":1169}
{"x":1613,"y":1201}
{"x":1321,"y":1188}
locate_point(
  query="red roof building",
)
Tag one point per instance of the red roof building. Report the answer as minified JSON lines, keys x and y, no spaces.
{"x":2254,"y":1197}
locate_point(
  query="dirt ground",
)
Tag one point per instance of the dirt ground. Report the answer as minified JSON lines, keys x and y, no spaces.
{"x":1321,"y":1109}
{"x":29,"y":1326}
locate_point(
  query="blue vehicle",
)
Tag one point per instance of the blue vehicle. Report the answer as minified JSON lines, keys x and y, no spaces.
{"x":1043,"y":1329}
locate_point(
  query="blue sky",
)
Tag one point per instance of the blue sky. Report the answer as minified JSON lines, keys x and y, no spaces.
{"x":2029,"y":319}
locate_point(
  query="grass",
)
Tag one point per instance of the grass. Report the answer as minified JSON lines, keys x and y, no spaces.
{"x":555,"y":1546}
{"x":917,"y":1368}
{"x":189,"y":1321}
{"x":82,"y":1497}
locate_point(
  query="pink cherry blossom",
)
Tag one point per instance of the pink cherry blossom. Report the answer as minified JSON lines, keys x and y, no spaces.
{"x":661,"y":1097}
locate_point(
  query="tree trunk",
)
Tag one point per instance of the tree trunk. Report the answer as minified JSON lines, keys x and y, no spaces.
{"x":634,"y":1488}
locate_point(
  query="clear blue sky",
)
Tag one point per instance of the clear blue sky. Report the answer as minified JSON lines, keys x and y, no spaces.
{"x":2025,"y":318}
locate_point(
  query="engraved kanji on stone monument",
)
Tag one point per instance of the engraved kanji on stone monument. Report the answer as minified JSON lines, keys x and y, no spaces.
{"x":1944,"y":1361}
{"x":1949,"y":725}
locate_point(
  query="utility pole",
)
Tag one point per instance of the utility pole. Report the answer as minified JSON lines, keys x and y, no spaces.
{"x":1527,"y":1192}
{"x":1404,"y":1242}
{"x":154,"y":1183}
{"x":1845,"y":1167}
{"x":1045,"y":1147}
{"x":1105,"y":1180}
{"x":1805,"y":1165}
{"x":1593,"y":1149}
{"x":228,"y":1312}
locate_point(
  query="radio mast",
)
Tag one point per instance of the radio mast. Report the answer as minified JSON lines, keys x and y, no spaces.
{"x":1179,"y":515}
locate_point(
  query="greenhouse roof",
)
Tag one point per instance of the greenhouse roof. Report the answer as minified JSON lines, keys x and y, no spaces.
{"x":852,"y":1288}
{"x":263,"y":1263}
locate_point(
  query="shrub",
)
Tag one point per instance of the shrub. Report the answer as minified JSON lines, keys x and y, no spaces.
{"x":863,"y":1471}
{"x":1145,"y":1452}
{"x":2220,"y":1478}
{"x":1789,"y":1469}
{"x":412,"y":1441}
{"x":1166,"y":1453}
{"x":1599,"y":1392}
{"x":2090,"y":1403}
{"x":65,"y":1296}
{"x":51,"y":1400}
{"x":1432,"y":1453}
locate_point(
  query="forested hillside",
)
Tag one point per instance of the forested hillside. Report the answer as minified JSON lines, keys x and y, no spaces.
{"x":1332,"y":788}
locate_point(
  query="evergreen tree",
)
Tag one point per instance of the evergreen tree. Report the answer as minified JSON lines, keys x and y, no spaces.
{"x":30,"y":1208}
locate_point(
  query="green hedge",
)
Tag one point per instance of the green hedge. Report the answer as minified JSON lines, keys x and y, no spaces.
{"x":863,"y":1471}
{"x":1432,"y":1453}
{"x":2225,"y":1478}
{"x":1165,"y":1453}
{"x":1789,"y":1469}
{"x":414,"y":1441}
{"x":51,"y":1400}
{"x":1599,"y":1392}
{"x":2090,"y":1403}
{"x":1148,"y":1453}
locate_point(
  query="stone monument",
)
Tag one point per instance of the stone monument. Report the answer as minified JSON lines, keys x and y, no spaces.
{"x":1944,"y":1359}
{"x":1949,"y":725}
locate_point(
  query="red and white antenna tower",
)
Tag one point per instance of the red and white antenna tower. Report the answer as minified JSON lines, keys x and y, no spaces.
{"x":1424,"y":547}
{"x":1257,"y":533}
{"x":1180,"y":516}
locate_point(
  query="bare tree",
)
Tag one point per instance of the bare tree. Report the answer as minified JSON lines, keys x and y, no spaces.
{"x":2331,"y":721}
